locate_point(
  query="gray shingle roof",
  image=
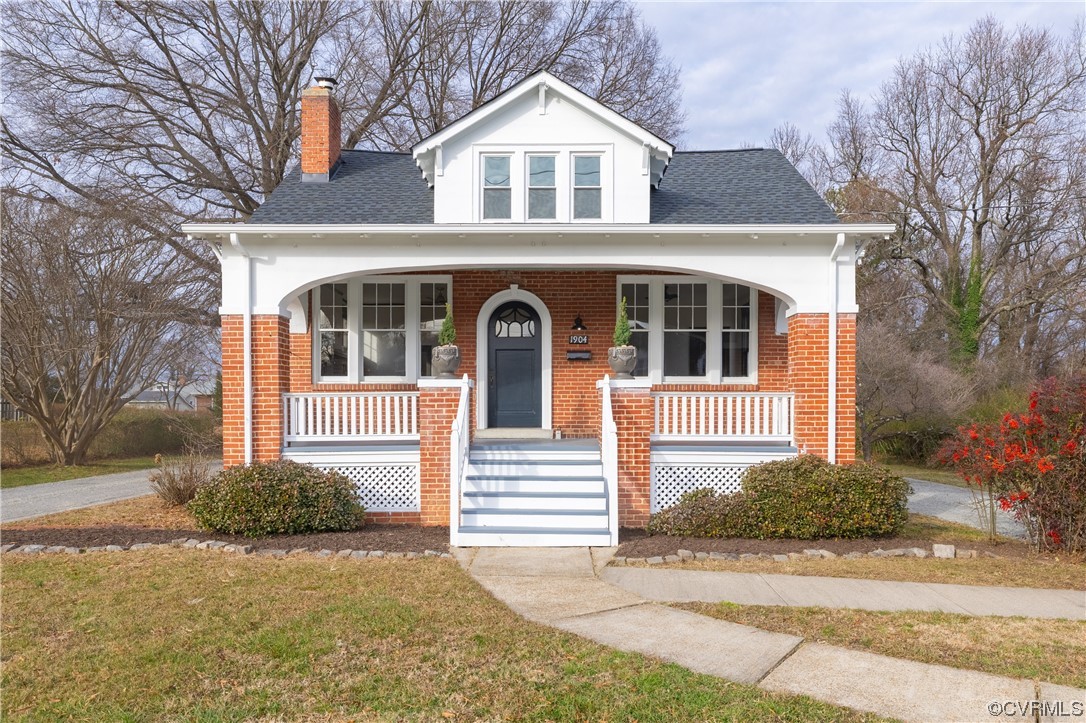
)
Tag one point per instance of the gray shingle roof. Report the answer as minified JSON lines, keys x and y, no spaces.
{"x":749,"y":186}
{"x":370,"y":187}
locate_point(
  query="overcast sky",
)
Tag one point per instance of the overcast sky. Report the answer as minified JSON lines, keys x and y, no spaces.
{"x":750,"y":66}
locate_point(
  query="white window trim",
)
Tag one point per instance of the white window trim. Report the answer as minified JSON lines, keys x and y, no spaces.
{"x":481,"y":186}
{"x":563,"y":178}
{"x":573,"y":156}
{"x":713,"y":334}
{"x":528,"y":187}
{"x":412,"y":321}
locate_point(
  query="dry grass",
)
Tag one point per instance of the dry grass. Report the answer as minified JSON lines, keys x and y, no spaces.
{"x":172,"y":635}
{"x":940,"y":475}
{"x":1053,"y":651}
{"x":147,"y":511}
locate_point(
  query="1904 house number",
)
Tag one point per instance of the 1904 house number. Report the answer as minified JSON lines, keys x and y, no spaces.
{"x":578,"y":338}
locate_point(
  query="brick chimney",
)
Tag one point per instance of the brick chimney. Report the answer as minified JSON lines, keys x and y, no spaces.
{"x":321,"y":133}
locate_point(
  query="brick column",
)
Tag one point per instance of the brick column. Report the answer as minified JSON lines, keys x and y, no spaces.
{"x":270,"y":378}
{"x":808,"y":372}
{"x":632,"y":409}
{"x":438,"y":402}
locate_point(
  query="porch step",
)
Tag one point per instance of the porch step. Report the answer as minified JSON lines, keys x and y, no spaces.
{"x":579,"y":501}
{"x":501,"y":484}
{"x":548,"y":493}
{"x":563,"y":519}
{"x":531,"y":537}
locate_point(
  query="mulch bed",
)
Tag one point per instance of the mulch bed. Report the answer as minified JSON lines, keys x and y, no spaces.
{"x":639,"y":543}
{"x":390,"y":538}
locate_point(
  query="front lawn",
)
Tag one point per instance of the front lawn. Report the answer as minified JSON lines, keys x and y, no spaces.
{"x":929,"y":474}
{"x":172,"y":634}
{"x":39,"y":474}
{"x":1053,"y":651}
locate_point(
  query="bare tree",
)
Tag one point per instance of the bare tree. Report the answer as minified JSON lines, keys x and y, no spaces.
{"x":804,"y":152}
{"x":94,"y":313}
{"x":976,"y":149}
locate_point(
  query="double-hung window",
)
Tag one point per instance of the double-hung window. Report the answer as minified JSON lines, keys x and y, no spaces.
{"x":378,"y":328}
{"x":497,"y":191}
{"x":692,"y":330}
{"x":587,"y":188}
{"x":333,"y":332}
{"x":542,"y":193}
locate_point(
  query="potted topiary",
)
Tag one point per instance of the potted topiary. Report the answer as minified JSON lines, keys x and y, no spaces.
{"x":446,"y":356}
{"x":622,"y":356}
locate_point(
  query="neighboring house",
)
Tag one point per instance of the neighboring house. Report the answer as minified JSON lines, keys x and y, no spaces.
{"x":533,"y":216}
{"x":195,"y":397}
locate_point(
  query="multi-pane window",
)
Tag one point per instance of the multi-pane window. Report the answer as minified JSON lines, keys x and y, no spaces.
{"x":333,"y":330}
{"x":378,"y":327}
{"x":735,"y":322}
{"x":685,"y":325}
{"x":637,"y":309}
{"x":587,"y":189}
{"x":692,"y":329}
{"x":542,"y":194}
{"x":432,"y":300}
{"x":384,"y":322}
{"x":497,"y":193}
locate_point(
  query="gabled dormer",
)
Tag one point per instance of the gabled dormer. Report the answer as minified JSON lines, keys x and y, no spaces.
{"x":542,"y":152}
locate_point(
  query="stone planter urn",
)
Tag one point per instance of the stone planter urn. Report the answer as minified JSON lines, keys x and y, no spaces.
{"x":622,"y":359}
{"x":445,"y":360}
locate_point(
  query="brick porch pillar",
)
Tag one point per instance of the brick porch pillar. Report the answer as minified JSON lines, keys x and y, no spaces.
{"x":631,"y":405}
{"x":270,"y":354}
{"x":808,"y":373}
{"x":438,"y":403}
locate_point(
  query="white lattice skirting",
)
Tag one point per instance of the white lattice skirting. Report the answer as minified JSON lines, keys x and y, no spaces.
{"x":383,"y":487}
{"x":670,"y":482}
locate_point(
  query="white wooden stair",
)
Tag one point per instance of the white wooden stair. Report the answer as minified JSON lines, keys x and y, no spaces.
{"x":534,"y":493}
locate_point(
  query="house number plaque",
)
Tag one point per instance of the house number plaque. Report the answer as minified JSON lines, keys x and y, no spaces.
{"x":578,"y":339}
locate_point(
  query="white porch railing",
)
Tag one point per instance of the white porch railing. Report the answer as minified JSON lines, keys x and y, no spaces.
{"x":343,"y":416}
{"x":459,"y":443}
{"x":609,"y":457}
{"x":748,"y":416}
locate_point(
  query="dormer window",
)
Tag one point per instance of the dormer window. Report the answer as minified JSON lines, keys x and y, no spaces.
{"x":587,"y":188}
{"x":542,"y":192}
{"x":497,"y":192}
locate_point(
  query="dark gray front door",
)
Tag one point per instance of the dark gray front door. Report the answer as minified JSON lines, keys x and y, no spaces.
{"x":515,"y":374}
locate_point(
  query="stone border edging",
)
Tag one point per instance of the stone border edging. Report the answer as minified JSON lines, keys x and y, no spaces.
{"x":943,"y":552}
{"x":218,"y":546}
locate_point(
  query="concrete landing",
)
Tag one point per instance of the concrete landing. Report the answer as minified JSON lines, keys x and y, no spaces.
{"x":570,"y":589}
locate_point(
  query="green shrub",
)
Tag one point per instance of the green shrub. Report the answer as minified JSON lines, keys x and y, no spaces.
{"x":808,"y":498}
{"x":447,"y":335}
{"x":804,"y":498}
{"x":282,"y":497}
{"x":705,"y":513}
{"x":623,"y":331}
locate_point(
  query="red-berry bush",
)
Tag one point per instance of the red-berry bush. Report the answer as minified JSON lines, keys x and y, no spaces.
{"x":1033,"y":463}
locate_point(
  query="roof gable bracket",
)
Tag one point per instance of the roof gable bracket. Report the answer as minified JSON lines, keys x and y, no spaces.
{"x":543,"y":98}
{"x":439,"y":162}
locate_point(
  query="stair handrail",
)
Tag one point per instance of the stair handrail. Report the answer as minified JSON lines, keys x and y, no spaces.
{"x":609,"y":457}
{"x":459,"y":442}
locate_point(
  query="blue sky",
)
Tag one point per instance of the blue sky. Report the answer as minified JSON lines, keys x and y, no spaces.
{"x":750,"y":66}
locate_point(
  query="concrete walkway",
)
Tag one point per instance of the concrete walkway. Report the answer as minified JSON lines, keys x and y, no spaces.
{"x":562,"y":588}
{"x":956,"y":504}
{"x":22,"y":503}
{"x":670,"y":585}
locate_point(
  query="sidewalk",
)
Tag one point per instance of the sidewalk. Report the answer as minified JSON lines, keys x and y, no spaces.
{"x":561,"y":587}
{"x":22,"y":503}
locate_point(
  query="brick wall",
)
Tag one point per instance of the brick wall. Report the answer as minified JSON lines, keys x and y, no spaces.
{"x":322,"y":134}
{"x":808,"y":365}
{"x":633,"y":413}
{"x":437,"y":410}
{"x":271,"y":377}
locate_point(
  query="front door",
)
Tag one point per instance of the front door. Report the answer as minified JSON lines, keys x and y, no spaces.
{"x":515,"y":371}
